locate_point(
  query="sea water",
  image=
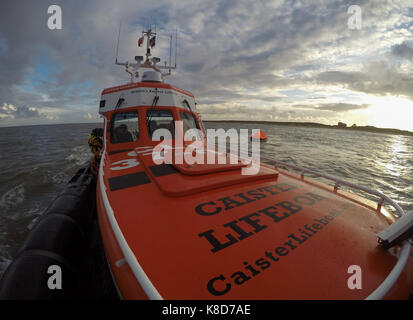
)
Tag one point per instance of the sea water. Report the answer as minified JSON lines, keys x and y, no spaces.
{"x":36,"y":162}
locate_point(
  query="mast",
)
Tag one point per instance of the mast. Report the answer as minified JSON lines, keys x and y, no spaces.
{"x":117,"y":46}
{"x":132,"y":67}
{"x":149,"y":33}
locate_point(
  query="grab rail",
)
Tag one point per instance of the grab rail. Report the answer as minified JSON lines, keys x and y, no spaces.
{"x":339,"y":183}
{"x":394,"y":274}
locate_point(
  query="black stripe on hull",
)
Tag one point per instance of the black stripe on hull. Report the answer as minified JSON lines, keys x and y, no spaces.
{"x":128,"y":180}
{"x":119,"y":151}
{"x":163,"y":170}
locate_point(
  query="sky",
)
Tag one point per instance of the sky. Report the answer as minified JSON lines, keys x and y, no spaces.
{"x":279,"y":60}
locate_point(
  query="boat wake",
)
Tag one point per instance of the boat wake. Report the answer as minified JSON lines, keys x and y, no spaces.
{"x":78,"y":155}
{"x":13,"y":197}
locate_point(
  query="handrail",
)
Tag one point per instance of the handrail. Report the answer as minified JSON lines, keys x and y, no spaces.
{"x":394,"y":274}
{"x":339,"y":183}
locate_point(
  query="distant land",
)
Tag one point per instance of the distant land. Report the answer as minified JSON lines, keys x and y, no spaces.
{"x":292,"y":124}
{"x":326,"y":126}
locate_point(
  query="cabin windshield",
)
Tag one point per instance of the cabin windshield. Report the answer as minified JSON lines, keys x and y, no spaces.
{"x":160,"y":119}
{"x":125,"y":127}
{"x":189,"y":122}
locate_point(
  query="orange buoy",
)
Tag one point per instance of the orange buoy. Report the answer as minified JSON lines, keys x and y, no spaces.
{"x":261,"y":136}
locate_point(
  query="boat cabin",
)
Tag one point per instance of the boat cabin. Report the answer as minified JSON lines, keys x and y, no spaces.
{"x":135,"y":111}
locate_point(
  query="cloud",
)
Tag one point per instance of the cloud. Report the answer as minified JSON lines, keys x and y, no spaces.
{"x":233,"y":53}
{"x":222,"y":95}
{"x":342,"y":107}
{"x":334,"y":107}
{"x":17,"y":112}
{"x":403,"y":51}
{"x":343,"y":77}
{"x":376,"y":77}
{"x":234,"y":111}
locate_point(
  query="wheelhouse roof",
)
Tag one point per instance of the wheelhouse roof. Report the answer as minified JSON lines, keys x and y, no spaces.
{"x":145,"y":85}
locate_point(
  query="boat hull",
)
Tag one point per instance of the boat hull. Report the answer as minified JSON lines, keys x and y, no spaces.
{"x":62,"y":257}
{"x":275,"y":237}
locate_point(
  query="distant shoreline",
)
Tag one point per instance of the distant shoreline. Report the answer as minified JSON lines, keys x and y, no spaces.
{"x":325,"y":126}
{"x":291,"y":124}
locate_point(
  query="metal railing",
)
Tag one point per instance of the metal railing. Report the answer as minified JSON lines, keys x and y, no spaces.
{"x":339,"y":182}
{"x":394,"y":274}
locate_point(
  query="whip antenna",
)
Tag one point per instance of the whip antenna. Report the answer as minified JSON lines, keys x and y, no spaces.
{"x":170,"y":51}
{"x":117,"y":46}
{"x":176,"y":44}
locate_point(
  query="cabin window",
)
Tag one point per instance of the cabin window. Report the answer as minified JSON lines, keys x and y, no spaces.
{"x":160,"y":119}
{"x":189,"y":122}
{"x":102,"y":103}
{"x":186,"y":106}
{"x":125,"y":127}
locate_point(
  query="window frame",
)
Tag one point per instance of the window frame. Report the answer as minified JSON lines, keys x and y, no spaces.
{"x":112,"y":126}
{"x":172,"y":113}
{"x":199,"y":126}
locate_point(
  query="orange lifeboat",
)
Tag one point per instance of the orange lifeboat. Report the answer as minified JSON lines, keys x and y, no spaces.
{"x":201,"y":231}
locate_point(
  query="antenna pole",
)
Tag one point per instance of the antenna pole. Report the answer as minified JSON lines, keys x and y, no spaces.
{"x":176,"y":44}
{"x":170,"y":51}
{"x":148,"y":50}
{"x":117,"y":46}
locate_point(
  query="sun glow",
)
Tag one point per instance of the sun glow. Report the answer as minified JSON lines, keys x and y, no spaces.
{"x":390,"y":112}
